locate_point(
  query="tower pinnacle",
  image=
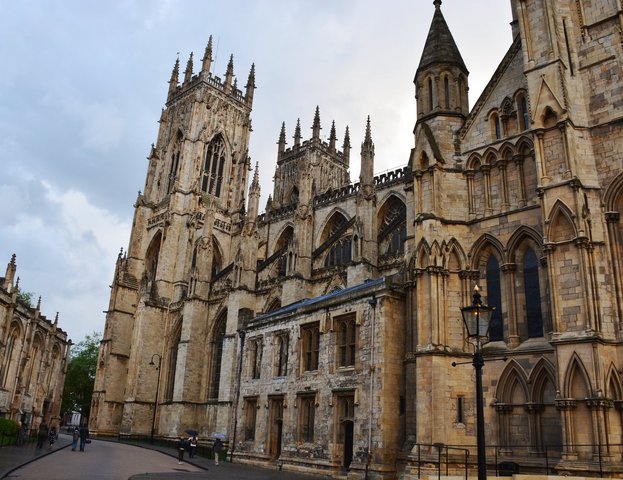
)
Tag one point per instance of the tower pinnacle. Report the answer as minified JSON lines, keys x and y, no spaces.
{"x":188,"y":73}
{"x":316,"y":125}
{"x":206,"y":61}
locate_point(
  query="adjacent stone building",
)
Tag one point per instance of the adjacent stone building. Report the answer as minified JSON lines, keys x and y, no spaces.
{"x":33,"y":357}
{"x":320,"y":335}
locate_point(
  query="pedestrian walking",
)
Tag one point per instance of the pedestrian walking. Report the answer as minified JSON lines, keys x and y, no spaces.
{"x":75,"y":436}
{"x":181,"y":445}
{"x":42,"y":435}
{"x":217,"y":447}
{"x":52,"y":436}
{"x":84,"y":435}
{"x":192,"y":446}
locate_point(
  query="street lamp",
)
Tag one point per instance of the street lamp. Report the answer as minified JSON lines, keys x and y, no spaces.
{"x":153,"y":418}
{"x":476,"y":318}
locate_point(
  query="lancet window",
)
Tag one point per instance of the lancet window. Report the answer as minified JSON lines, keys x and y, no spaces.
{"x":212,"y":177}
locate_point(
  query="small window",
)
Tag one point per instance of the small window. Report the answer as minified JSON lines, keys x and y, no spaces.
{"x":497,"y":129}
{"x":430,"y":94}
{"x":524,"y":118}
{"x":310,"y":338}
{"x":460,"y":409}
{"x":446,"y":92}
{"x":307,"y":411}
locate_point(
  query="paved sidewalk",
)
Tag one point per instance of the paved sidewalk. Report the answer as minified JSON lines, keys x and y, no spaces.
{"x":12,"y":458}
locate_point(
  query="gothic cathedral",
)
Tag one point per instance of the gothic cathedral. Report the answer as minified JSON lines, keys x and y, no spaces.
{"x":320,"y":335}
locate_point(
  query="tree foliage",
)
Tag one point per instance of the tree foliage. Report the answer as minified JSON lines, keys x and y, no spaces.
{"x":25,"y":298}
{"x":80,"y":376}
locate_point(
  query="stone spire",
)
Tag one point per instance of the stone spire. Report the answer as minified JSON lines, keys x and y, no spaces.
{"x":316,"y":125}
{"x":332,"y":137}
{"x":440,"y":48}
{"x":56,"y":319}
{"x":174,"y":77}
{"x":188,"y":73}
{"x":254,"y":195}
{"x":346,"y":146}
{"x":282,"y":139}
{"x":366,"y":176}
{"x":250,"y":86}
{"x":297,"y":133}
{"x":206,"y":61}
{"x":229,"y":75}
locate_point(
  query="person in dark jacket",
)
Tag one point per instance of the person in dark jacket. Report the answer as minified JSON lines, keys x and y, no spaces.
{"x":75,"y":436}
{"x":217,"y":447}
{"x":84,"y":434}
{"x":52,"y":436}
{"x":181,"y":446}
{"x":42,"y":435}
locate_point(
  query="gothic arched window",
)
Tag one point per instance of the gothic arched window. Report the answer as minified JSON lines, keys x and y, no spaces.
{"x":217,"y":356}
{"x":340,"y":249}
{"x":10,"y":356}
{"x":532,"y":290}
{"x":494,"y":299}
{"x":524,"y":117}
{"x":393,"y":228}
{"x":212,"y":176}
{"x":175,"y":164}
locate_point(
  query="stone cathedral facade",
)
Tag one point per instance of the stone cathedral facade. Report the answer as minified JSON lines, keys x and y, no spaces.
{"x":320,"y":335}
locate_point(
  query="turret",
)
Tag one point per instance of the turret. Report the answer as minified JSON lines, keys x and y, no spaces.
{"x":229,"y":75}
{"x":188,"y":73}
{"x":250,"y":86}
{"x":206,"y":61}
{"x":366,"y":176}
{"x":9,"y":275}
{"x":441,"y":77}
{"x":174,"y":78}
{"x":282,"y":140}
{"x":316,"y":125}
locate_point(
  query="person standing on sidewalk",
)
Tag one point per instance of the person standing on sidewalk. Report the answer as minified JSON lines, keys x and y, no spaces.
{"x":192,"y":446}
{"x":217,"y":447}
{"x":42,"y":435}
{"x":75,"y":436}
{"x":52,"y":436}
{"x":181,"y":445}
{"x":84,"y":434}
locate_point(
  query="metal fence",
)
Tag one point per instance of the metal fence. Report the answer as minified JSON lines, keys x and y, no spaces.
{"x":202,"y":450}
{"x":595,"y":459}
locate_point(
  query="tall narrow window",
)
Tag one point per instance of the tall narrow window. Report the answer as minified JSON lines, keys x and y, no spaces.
{"x":524,"y":118}
{"x":533,"y":294}
{"x":175,"y":163}
{"x":307,"y":410}
{"x":430,"y":94}
{"x":281,"y":360}
{"x":347,"y":341}
{"x":460,"y":410}
{"x":393,"y":229}
{"x":10,"y":357}
{"x":172,"y":365}
{"x":310,"y":338}
{"x":255,"y":358}
{"x":497,"y":129}
{"x":494,"y":299}
{"x":446,"y":92}
{"x":33,"y":366}
{"x":212,"y":176}
{"x":217,"y":354}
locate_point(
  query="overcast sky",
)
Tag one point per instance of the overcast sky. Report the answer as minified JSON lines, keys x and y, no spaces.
{"x":83,"y":83}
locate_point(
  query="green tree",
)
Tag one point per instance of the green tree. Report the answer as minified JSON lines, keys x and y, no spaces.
{"x":81,"y":375}
{"x":25,"y":298}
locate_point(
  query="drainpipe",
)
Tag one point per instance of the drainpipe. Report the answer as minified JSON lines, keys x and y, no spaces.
{"x":372,"y":303}
{"x":241,"y":334}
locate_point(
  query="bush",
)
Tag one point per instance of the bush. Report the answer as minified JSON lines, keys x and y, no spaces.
{"x":8,"y":428}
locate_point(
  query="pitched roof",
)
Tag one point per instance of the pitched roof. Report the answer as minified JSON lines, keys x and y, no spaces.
{"x":440,"y":47}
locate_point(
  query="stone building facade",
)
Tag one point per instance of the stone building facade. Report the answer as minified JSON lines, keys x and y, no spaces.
{"x":320,"y":335}
{"x":33,"y":358}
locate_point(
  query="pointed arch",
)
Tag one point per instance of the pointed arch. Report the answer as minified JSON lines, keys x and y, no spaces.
{"x":215,"y":165}
{"x":392,"y":224}
{"x":542,"y":372}
{"x":613,"y":195}
{"x":512,"y":394}
{"x":473,"y":162}
{"x":490,"y":156}
{"x":485,"y":242}
{"x":152,"y":255}
{"x":578,"y":386}
{"x":512,"y":386}
{"x":561,"y":225}
{"x":506,"y":151}
{"x":436,"y":254}
{"x":11,"y":352}
{"x":172,"y":351}
{"x":546,"y":418}
{"x":455,"y":259}
{"x":422,"y":254}
{"x":217,"y":336}
{"x":336,"y":238}
{"x":577,"y":383}
{"x":217,"y":257}
{"x":524,"y":146}
{"x":273,"y":304}
{"x":522,"y":234}
{"x":614,"y":389}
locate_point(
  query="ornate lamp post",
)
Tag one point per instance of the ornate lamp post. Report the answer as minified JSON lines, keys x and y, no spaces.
{"x":153,"y":419}
{"x":476,"y":318}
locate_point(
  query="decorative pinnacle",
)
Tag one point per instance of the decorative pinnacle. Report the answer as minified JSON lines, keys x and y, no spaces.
{"x":437,"y":3}
{"x":39,"y":303}
{"x":297,"y":133}
{"x":332,"y":136}
{"x":251,"y":80}
{"x":368,"y":138}
{"x":56,"y":319}
{"x":256,"y":175}
{"x":282,"y":134}
{"x":316,"y":126}
{"x":207,"y":56}
{"x":346,"y":139}
{"x":188,"y":73}
{"x":230,"y":65}
{"x":13,"y":260}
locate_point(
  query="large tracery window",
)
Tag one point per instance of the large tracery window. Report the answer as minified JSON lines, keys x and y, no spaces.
{"x":393,"y":229}
{"x":212,"y":177}
{"x":340,"y":251}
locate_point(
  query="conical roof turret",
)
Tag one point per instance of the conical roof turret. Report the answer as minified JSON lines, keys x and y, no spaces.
{"x":440,"y":47}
